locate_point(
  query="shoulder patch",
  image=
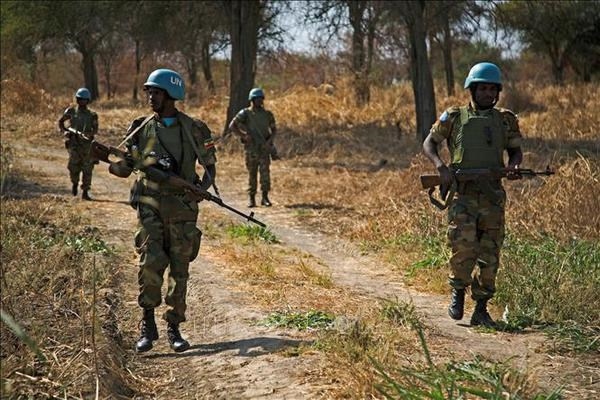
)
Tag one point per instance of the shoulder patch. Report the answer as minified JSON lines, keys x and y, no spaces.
{"x":508,"y":114}
{"x":205,"y":134}
{"x":450,"y":112}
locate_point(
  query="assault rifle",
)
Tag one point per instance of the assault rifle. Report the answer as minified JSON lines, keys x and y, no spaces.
{"x":103,"y":153}
{"x":75,"y":132}
{"x":470,"y":175}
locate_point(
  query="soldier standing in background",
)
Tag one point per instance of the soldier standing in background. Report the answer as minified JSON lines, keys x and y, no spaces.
{"x":167,"y":235}
{"x":477,"y":136}
{"x":81,"y":162}
{"x":256,"y":127}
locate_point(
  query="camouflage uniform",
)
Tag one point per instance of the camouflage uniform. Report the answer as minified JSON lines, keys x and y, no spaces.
{"x":80,"y":160}
{"x":167,"y":234}
{"x":476,"y":139}
{"x":258,"y":123}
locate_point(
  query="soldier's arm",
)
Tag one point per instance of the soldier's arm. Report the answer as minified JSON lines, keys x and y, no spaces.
{"x":441,"y":130}
{"x":272,"y":129}
{"x":133,"y":140}
{"x":238,"y":128}
{"x":94,"y":124}
{"x":207,"y":157}
{"x":513,"y":138}
{"x":61,"y":122}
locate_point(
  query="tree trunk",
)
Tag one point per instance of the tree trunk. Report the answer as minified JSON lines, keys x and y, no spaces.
{"x":206,"y":70}
{"x":356,"y":10}
{"x":191,"y":65}
{"x":244,"y":26}
{"x":447,"y":53}
{"x":138,"y":68}
{"x":422,"y":81}
{"x":558,"y":72}
{"x":90,"y":74}
{"x":107,"y":72}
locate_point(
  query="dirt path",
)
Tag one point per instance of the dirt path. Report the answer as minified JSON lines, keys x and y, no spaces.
{"x":232,"y":357}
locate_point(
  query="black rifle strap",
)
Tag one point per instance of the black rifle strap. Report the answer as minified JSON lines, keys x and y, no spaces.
{"x":136,"y":130}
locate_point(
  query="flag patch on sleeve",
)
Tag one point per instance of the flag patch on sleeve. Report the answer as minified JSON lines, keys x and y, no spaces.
{"x":209,"y":144}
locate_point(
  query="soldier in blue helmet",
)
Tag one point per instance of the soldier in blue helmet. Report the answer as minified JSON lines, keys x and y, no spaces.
{"x":256,"y":127}
{"x":477,"y":135}
{"x":81,"y":163}
{"x":167,"y":235}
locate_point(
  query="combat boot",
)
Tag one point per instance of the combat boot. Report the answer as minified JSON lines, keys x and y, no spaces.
{"x":74,"y":189}
{"x":265,"y":200}
{"x":251,"y":201}
{"x":148,"y":334}
{"x":178,"y":344}
{"x":457,"y":304}
{"x":481,"y":317}
{"x":86,"y":195}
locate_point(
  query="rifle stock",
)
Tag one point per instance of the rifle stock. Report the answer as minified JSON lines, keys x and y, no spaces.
{"x":429,"y":181}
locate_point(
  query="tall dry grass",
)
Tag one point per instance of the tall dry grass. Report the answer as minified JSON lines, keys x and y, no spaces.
{"x":353,"y":172}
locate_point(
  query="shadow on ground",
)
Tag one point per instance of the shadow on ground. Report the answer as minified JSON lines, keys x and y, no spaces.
{"x":246,"y":347}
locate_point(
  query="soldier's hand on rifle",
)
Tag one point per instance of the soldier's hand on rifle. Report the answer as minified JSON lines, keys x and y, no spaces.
{"x":445,"y":175}
{"x":120,"y":168}
{"x":246,"y":138}
{"x":512,"y":173}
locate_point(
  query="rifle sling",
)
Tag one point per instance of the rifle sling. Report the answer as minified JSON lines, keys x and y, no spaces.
{"x":144,"y":122}
{"x":447,"y":198}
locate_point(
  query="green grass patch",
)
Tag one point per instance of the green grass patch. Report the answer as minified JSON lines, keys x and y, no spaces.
{"x":251,"y":233}
{"x":475,"y":378}
{"x":550,"y":283}
{"x":432,"y":251}
{"x":313,"y":319}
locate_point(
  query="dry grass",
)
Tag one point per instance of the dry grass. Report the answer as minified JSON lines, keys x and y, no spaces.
{"x":348,"y":171}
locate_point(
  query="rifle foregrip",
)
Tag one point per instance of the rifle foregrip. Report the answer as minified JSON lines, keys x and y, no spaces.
{"x":429,"y":181}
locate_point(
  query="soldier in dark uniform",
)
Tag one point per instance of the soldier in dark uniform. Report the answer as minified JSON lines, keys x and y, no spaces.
{"x":477,"y":135}
{"x":84,"y":120}
{"x":256,"y":127}
{"x":167,"y":235}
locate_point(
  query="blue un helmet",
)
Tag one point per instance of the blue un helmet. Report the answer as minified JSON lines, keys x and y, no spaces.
{"x":484,"y":72}
{"x":256,"y":92}
{"x":167,"y":80}
{"x":83,"y":93}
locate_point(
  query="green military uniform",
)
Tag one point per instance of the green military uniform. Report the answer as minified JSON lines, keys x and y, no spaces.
{"x":167,"y":234}
{"x":80,"y":160}
{"x":258,"y":123}
{"x":477,"y":139}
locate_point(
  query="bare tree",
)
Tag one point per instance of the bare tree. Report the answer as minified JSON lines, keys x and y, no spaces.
{"x":144,"y":23}
{"x":243,"y":29}
{"x":361,"y":17}
{"x":411,"y":13}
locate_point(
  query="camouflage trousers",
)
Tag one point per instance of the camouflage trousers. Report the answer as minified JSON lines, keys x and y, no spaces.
{"x":475,"y":235}
{"x":167,"y":236}
{"x":81,"y":163}
{"x":258,"y":163}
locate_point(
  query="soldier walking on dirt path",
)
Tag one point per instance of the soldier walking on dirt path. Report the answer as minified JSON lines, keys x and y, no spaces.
{"x":167,"y":235}
{"x":256,"y":127}
{"x":84,"y":120}
{"x":477,"y":136}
